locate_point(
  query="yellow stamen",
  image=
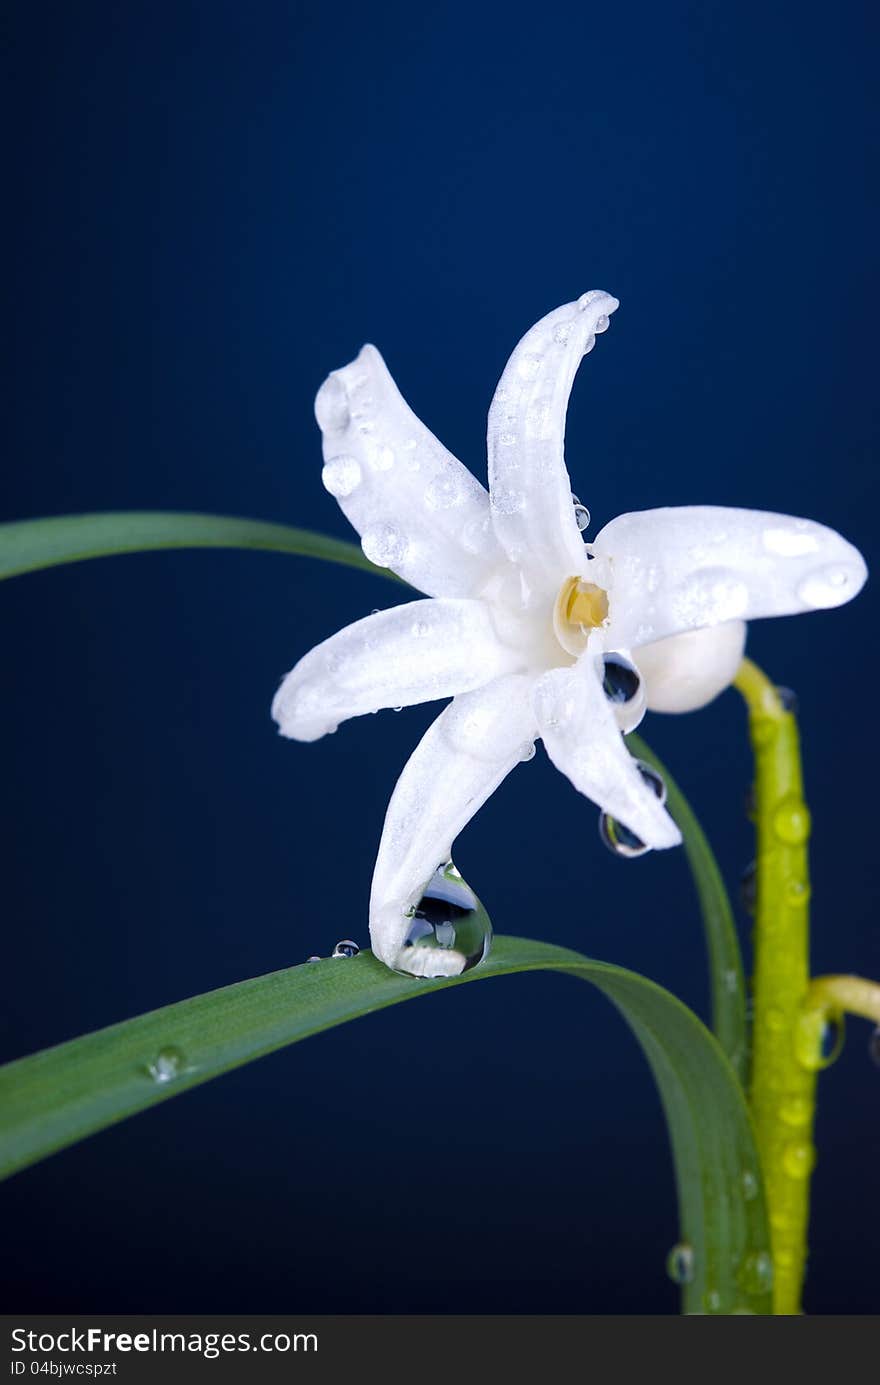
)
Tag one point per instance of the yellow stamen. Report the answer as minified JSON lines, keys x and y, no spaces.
{"x":580,"y":607}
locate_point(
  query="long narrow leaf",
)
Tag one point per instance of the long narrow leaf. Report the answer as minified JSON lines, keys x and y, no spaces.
{"x":53,"y":1098}
{"x":727,"y":979}
{"x":30,"y":544}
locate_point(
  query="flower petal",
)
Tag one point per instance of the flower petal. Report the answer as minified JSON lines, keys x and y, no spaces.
{"x":417,"y":509}
{"x":687,"y":671}
{"x":532,"y":510}
{"x":459,"y":762}
{"x":680,"y":569}
{"x":578,"y":727}
{"x":412,"y":653}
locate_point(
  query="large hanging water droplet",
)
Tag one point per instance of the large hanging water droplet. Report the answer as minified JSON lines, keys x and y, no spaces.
{"x":168,"y":1063}
{"x":620,"y":839}
{"x":620,"y":680}
{"x":581,"y":513}
{"x":680,"y":1263}
{"x":449,"y":932}
{"x":345,"y":948}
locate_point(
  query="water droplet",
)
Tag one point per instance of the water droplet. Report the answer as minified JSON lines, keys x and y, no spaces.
{"x":798,"y":892}
{"x":384,"y":544}
{"x":652,"y":778}
{"x":798,"y":1159}
{"x":168,"y":1063}
{"x":874,"y":1046}
{"x":730,"y":977}
{"x":755,"y":1274}
{"x":748,"y":887}
{"x":818,"y":1039}
{"x":444,"y":492}
{"x":829,"y":586}
{"x":397,"y":709}
{"x":528,"y":752}
{"x":341,"y":476}
{"x":680,"y":1263}
{"x":712,"y":1301}
{"x":345,"y":948}
{"x":450,"y":930}
{"x":789,"y":699}
{"x":791,"y":821}
{"x":314,"y":958}
{"x":620,"y":839}
{"x":833,"y":1035}
{"x":589,"y":343}
{"x":789,"y":544}
{"x":796,"y":1111}
{"x":621,"y":681}
{"x":331,"y":406}
{"x":581,"y":514}
{"x":601,"y":324}
{"x":749,"y":1183}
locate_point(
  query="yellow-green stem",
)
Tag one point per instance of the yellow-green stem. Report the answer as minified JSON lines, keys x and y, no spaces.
{"x":786,"y":1039}
{"x":853,"y":995}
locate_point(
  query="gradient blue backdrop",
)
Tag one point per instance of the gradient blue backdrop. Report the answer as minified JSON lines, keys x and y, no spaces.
{"x":209,"y":206}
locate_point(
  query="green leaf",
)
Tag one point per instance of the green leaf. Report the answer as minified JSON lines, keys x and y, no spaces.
{"x":29,"y":544}
{"x":58,"y":1096}
{"x":727,"y":979}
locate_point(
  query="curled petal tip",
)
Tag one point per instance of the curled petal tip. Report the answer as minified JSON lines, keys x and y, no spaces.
{"x":594,"y":297}
{"x":298,"y":716}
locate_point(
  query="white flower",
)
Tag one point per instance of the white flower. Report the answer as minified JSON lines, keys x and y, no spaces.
{"x":530,"y":631}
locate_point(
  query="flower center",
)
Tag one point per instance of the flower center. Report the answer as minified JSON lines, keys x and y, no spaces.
{"x":580,"y":607}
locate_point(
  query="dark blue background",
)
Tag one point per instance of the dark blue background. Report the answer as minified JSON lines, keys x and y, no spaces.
{"x":209,"y":206}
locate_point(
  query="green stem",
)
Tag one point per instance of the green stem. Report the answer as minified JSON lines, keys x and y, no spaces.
{"x":786,"y":1040}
